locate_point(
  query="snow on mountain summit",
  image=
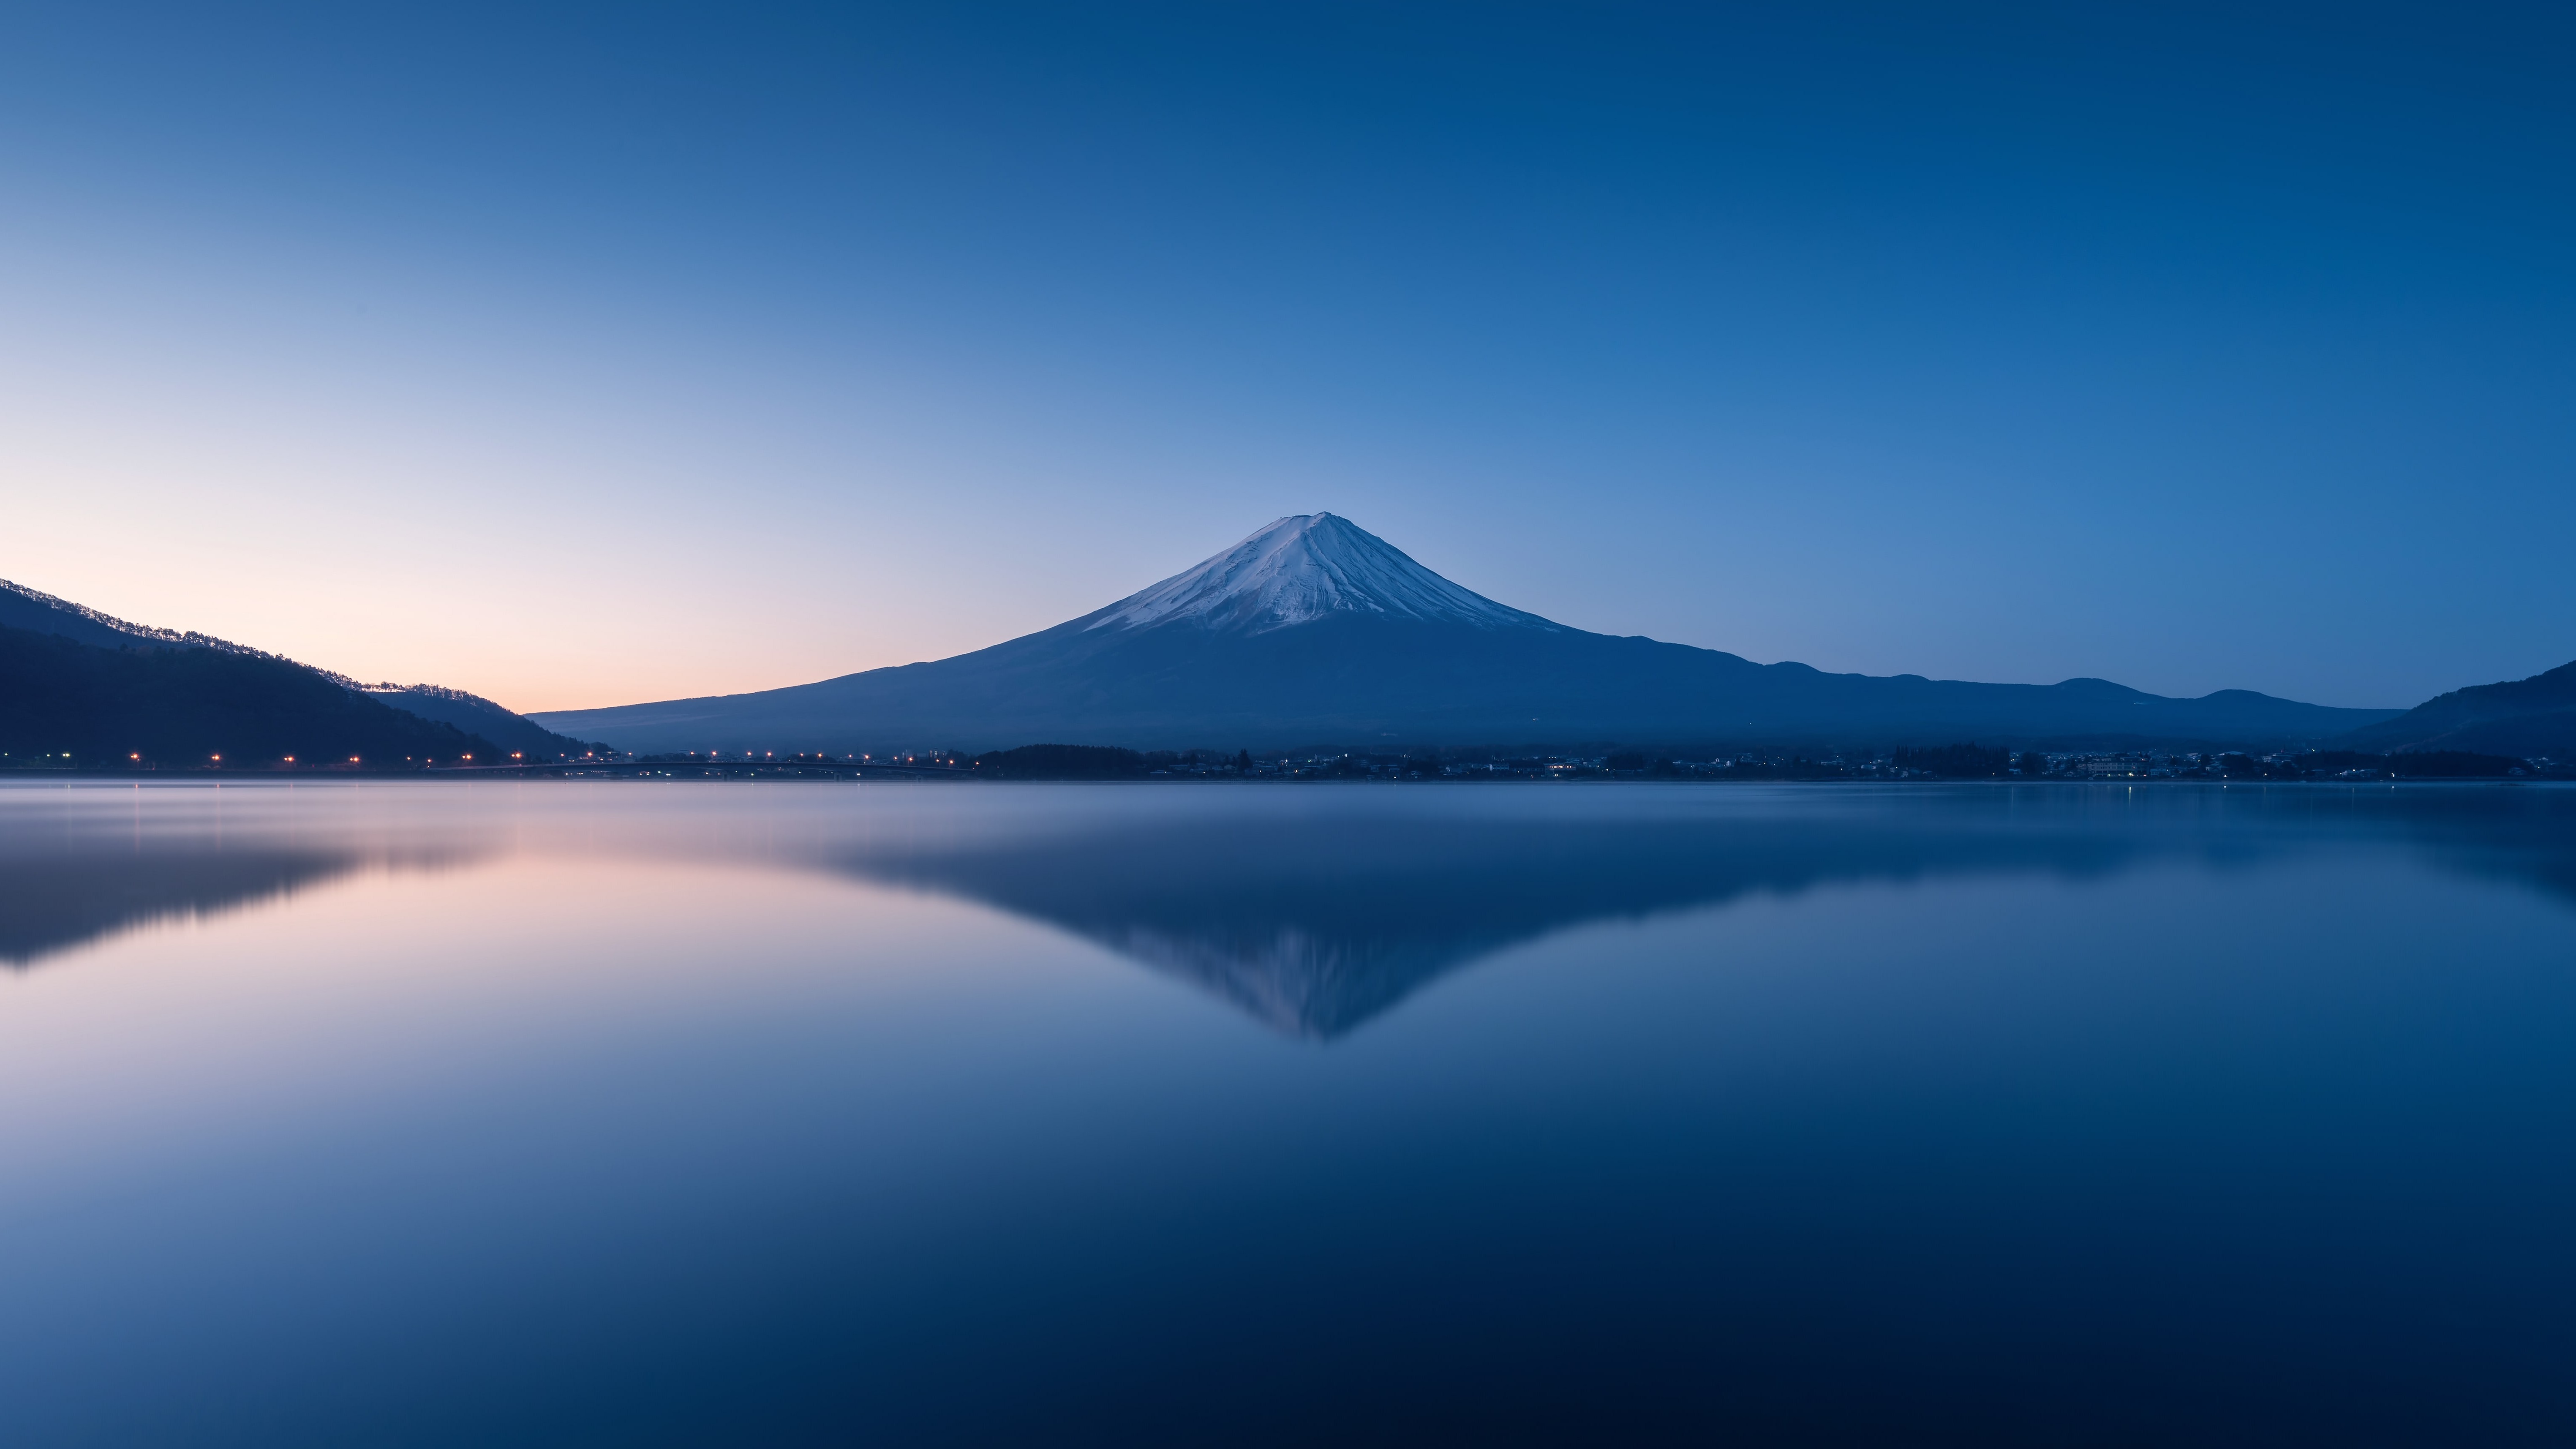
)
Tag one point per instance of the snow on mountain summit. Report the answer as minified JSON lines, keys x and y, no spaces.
{"x":1302,"y":568}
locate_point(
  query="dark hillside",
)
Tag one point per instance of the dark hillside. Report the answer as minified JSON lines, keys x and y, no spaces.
{"x":476,"y":715}
{"x":25,"y":608}
{"x":2527,"y":718}
{"x":183,"y":706}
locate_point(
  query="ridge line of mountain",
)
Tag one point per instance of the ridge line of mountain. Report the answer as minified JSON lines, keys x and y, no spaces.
{"x":1309,"y":632}
{"x":79,"y":683}
{"x":1312,"y":629}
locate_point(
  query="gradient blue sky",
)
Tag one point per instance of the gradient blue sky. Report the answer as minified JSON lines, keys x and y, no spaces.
{"x":590,"y":356}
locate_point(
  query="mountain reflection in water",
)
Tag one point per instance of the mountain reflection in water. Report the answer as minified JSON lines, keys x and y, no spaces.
{"x":51,"y":906}
{"x":434,"y":1113}
{"x":1314,"y":926}
{"x":1312,"y":909}
{"x":1316,"y":923}
{"x":88,"y":861}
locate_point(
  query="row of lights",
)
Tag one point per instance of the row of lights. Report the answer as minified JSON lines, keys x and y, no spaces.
{"x":764,"y":754}
{"x":137,"y":756}
{"x":290,"y":759}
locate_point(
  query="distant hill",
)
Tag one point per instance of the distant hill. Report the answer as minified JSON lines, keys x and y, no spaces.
{"x":175,"y":690}
{"x":474,"y":714}
{"x":182,"y":706}
{"x":2531,"y":718}
{"x":1315,"y":631}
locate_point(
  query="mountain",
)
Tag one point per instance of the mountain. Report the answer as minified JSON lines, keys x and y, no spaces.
{"x":1308,"y":569}
{"x":24,"y":608}
{"x":184,"y":706}
{"x":76,"y":682}
{"x":2525,"y":718}
{"x":475,"y":715}
{"x":1314,"y":631}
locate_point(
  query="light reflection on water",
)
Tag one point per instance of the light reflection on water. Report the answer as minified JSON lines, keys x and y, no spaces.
{"x":552,"y":1113}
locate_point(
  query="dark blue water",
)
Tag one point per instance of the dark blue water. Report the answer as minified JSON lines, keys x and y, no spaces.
{"x":806,"y":1115}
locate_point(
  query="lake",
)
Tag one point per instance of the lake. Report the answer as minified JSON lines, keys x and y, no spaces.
{"x":441,"y":1113}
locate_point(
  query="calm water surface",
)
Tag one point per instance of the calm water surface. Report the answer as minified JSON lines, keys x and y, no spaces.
{"x":640,"y":1114}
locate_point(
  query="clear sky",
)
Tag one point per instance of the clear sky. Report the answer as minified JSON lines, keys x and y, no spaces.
{"x":591,"y":356}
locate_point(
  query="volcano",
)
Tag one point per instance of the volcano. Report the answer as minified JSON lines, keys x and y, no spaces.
{"x":1314,"y":631}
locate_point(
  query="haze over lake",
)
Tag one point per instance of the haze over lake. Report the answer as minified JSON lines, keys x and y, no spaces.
{"x":436,"y":1113}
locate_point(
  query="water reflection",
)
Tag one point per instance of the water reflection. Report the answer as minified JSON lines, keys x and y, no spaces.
{"x":1314,"y":926}
{"x":718,"y":1114}
{"x":1313,"y":911}
{"x":81,"y":864}
{"x":1316,"y":923}
{"x":53,"y":905}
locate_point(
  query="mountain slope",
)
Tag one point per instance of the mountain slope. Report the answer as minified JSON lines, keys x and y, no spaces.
{"x":1314,"y":631}
{"x":183,"y":706}
{"x":25,"y":608}
{"x":475,"y":715}
{"x":183,"y":723}
{"x":1301,"y":570}
{"x":2525,"y":718}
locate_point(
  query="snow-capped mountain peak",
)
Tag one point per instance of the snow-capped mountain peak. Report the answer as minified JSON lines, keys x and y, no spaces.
{"x":1302,"y":568}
